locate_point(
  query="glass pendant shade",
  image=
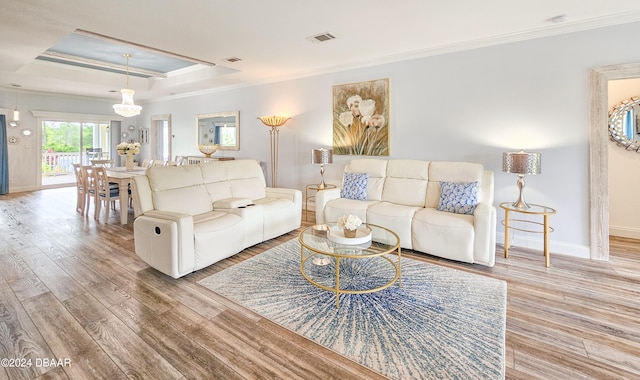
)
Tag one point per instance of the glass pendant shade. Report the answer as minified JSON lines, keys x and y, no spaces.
{"x":127,"y":108}
{"x":16,"y":115}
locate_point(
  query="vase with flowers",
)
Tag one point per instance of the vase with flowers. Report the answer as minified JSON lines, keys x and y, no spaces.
{"x":349,"y":225}
{"x":128,"y":150}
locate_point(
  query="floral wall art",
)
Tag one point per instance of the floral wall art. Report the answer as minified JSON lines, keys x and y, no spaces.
{"x":361,"y":118}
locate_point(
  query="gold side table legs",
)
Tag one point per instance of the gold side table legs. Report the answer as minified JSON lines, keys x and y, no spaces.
{"x":547,"y":258}
{"x":506,"y":234}
{"x":532,"y":210}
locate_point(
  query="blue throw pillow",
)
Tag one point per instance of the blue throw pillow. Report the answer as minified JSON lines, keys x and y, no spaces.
{"x":354,"y":186}
{"x":458,"y":198}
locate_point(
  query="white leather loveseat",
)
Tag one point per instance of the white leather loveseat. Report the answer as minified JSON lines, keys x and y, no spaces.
{"x":191,"y":216}
{"x":405,"y":196}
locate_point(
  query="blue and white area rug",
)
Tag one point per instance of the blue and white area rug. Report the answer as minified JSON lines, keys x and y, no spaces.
{"x":441,"y":324}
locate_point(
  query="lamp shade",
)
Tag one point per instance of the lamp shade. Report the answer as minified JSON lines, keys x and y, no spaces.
{"x":521,"y":162}
{"x":274,"y":121}
{"x":322,"y":156}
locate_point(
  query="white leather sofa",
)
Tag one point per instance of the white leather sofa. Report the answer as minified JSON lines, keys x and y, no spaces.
{"x":191,"y":216}
{"x":404,"y":195}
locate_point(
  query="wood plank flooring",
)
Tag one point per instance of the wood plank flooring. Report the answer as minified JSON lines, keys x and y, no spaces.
{"x":72,"y":288}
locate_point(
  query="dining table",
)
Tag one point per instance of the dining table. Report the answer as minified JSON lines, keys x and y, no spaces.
{"x":122,"y":177}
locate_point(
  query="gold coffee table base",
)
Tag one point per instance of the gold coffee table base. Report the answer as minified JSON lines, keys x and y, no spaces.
{"x":313,"y":247}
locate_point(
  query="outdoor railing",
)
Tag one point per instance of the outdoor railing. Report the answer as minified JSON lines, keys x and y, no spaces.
{"x":59,"y":163}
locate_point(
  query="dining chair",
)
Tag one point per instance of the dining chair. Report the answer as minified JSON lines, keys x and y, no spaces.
{"x":181,"y":160}
{"x":170,"y":163}
{"x":104,"y":193}
{"x":102,"y":163}
{"x":79,"y":188}
{"x":146,"y":163}
{"x":88,"y":185}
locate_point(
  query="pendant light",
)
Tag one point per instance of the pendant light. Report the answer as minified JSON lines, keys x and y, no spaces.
{"x":127,"y":108}
{"x":16,"y":113}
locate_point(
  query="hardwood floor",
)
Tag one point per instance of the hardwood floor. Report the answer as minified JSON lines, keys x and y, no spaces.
{"x":73,"y":289}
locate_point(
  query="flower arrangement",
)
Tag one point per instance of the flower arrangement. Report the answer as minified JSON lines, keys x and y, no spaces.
{"x":128,"y":149}
{"x":349,"y":224}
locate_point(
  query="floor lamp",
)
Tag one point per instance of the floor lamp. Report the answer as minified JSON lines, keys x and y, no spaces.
{"x":274,"y":122}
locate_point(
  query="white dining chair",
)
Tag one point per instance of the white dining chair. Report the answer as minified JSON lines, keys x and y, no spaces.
{"x":102,"y":163}
{"x":104,"y":193}
{"x":181,"y":160}
{"x":88,"y":185}
{"x":79,"y":188}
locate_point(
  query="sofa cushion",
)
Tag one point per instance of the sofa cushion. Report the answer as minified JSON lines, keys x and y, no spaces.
{"x":247,"y":179}
{"x":377,"y":170}
{"x":234,"y":179}
{"x":394,"y":217}
{"x":336,"y":208}
{"x":443,"y":171}
{"x":406,"y":182}
{"x":459,"y":198}
{"x":172,"y":186}
{"x":217,"y":235}
{"x":444,"y":234}
{"x":354,"y":186}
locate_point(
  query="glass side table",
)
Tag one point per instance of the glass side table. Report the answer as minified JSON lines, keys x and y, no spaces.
{"x":315,"y":188}
{"x":532,"y":210}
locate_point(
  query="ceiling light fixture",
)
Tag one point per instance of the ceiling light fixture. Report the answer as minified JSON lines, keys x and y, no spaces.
{"x":16,"y":113}
{"x":127,"y":108}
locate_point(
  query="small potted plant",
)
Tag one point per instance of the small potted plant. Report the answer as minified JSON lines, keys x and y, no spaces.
{"x":349,"y":224}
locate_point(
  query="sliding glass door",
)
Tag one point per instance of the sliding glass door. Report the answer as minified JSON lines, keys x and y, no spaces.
{"x":67,"y":142}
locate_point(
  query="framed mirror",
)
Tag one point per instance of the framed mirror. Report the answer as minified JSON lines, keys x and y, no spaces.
{"x":222,"y":128}
{"x":624,"y":124}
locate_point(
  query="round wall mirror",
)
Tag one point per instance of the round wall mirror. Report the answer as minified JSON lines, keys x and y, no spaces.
{"x":624,"y":124}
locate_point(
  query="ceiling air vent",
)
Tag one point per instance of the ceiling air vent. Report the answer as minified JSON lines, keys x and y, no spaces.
{"x":321,"y":37}
{"x":232,"y":59}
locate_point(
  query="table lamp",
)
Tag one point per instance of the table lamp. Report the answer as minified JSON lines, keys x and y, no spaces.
{"x":521,"y":163}
{"x":322,"y":156}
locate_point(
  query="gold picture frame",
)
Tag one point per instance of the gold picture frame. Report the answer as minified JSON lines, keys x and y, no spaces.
{"x":361,"y":118}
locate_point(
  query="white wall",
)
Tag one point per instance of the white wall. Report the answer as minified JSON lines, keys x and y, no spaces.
{"x":467,"y":106}
{"x":624,"y":172}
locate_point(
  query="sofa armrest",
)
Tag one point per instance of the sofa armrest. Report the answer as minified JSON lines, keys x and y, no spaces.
{"x":165,"y":241}
{"x":484,"y":225}
{"x":294,"y":195}
{"x":322,"y":197}
{"x":141,"y":193}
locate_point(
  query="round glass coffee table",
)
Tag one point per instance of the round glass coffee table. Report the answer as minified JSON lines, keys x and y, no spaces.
{"x":341,"y":268}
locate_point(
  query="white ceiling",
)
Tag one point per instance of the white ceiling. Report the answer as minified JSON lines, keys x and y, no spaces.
{"x":270,"y":36}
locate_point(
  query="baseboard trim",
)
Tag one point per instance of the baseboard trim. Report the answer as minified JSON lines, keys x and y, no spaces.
{"x":555,"y":247}
{"x":626,"y":232}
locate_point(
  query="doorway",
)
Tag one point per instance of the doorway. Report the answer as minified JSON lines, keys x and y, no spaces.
{"x":598,"y":154}
{"x":161,"y":137}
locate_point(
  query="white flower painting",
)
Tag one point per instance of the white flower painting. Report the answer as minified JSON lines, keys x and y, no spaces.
{"x":360,"y":118}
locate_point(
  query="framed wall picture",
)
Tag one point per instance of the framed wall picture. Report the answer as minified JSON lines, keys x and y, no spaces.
{"x":361,"y":118}
{"x":144,"y":135}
